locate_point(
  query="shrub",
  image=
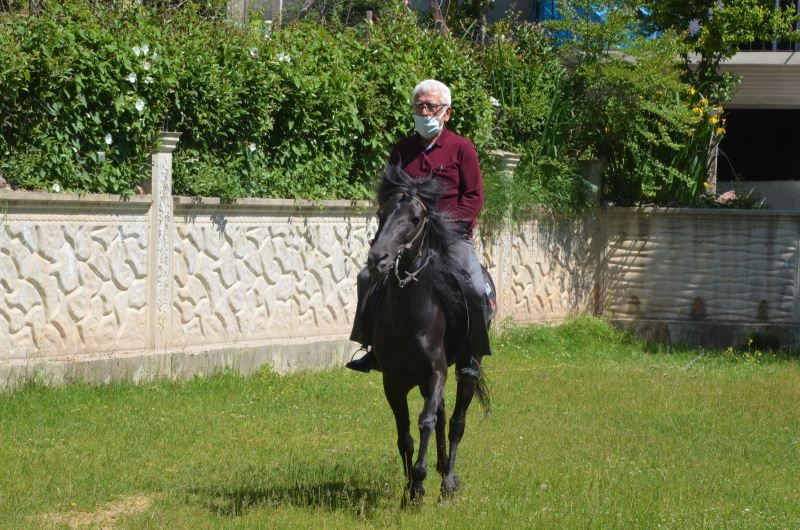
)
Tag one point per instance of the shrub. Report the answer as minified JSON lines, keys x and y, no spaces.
{"x":631,"y":107}
{"x":80,"y":109}
{"x":311,"y":111}
{"x":336,"y":104}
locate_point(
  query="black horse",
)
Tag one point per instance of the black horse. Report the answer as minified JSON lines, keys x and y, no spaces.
{"x":421,"y":321}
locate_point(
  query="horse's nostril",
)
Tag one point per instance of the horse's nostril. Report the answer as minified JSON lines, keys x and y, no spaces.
{"x":378,"y":262}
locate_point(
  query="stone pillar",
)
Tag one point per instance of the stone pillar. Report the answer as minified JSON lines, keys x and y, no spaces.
{"x":503,"y":243}
{"x":161,"y":251}
{"x":277,"y":13}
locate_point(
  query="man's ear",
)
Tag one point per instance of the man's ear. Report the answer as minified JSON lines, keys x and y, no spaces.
{"x":446,"y":115}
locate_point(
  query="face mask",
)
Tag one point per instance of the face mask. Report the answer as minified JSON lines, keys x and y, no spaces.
{"x":427,"y":126}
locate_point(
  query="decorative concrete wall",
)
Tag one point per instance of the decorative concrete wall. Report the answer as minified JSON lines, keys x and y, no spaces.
{"x":265,"y":270}
{"x":74,"y":275}
{"x":705,"y":277}
{"x":101,"y":288}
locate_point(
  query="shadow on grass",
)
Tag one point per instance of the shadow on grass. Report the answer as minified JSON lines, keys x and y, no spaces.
{"x":333,"y":496}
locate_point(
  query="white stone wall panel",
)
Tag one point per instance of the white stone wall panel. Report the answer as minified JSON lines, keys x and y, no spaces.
{"x":72,"y":282}
{"x":260,"y":275}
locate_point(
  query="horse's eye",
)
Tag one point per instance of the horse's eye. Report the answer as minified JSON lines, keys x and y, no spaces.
{"x":415,"y":220}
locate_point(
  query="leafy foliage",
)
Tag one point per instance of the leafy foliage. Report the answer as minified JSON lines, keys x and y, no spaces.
{"x":715,"y":30}
{"x":79,"y":109}
{"x":632,"y":108}
{"x":312,"y":110}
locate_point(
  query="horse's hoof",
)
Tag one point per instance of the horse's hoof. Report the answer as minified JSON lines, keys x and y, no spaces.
{"x":416,"y":494}
{"x":450,"y":485}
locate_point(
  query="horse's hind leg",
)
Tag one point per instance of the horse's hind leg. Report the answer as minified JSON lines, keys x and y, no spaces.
{"x":465,"y":390}
{"x":397,"y":398}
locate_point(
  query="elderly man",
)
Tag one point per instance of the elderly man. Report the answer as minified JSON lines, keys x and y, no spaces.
{"x":436,"y":151}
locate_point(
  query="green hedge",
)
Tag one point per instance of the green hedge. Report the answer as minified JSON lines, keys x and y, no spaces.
{"x":311,"y":111}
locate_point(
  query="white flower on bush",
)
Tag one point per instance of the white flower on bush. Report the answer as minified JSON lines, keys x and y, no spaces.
{"x":284,"y":58}
{"x":253,"y":52}
{"x":132,"y":77}
{"x":148,"y":80}
{"x":56,"y":187}
{"x":109,"y":139}
{"x":145,"y":49}
{"x":493,"y":101}
{"x":139,"y":105}
{"x":252,"y":147}
{"x":154,"y":55}
{"x":101,"y":156}
{"x":146,"y":65}
{"x":694,"y":27}
{"x":137,"y":51}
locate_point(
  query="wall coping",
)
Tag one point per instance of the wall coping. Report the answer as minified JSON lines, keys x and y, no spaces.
{"x":21,"y":197}
{"x":216,"y":205}
{"x":699,"y":212}
{"x":209,"y":205}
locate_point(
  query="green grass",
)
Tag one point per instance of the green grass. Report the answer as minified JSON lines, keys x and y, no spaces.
{"x":589,"y":429}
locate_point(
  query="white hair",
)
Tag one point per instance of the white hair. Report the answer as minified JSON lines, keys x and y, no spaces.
{"x":432,"y":85}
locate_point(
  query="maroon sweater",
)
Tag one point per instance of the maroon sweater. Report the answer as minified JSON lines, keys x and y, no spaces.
{"x":453,"y":159}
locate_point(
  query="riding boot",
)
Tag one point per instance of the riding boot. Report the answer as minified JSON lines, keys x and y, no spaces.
{"x":365,"y":363}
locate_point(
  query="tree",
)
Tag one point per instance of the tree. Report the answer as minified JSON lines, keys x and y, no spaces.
{"x":715,"y":30}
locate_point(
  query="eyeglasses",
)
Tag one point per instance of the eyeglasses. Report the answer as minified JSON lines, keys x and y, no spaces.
{"x":430,"y":107}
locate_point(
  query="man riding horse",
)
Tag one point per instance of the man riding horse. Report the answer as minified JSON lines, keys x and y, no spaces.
{"x":436,"y":151}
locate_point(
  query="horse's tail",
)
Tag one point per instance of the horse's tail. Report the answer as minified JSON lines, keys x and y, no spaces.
{"x":483,"y":395}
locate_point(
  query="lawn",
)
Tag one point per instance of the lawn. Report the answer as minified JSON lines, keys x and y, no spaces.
{"x":588,"y":429}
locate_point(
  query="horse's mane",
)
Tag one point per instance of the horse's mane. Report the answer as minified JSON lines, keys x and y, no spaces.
{"x":443,"y":271}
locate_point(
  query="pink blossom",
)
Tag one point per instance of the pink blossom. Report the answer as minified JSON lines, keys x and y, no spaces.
{"x":727,"y":197}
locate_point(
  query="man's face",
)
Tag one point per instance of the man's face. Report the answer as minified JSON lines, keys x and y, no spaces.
{"x":430,"y":104}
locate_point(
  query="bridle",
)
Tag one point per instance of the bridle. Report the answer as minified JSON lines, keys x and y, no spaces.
{"x":421,"y":232}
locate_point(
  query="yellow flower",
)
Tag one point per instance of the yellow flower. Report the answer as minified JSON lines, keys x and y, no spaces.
{"x":720,"y":131}
{"x":706,"y":185}
{"x":703,"y":102}
{"x":692,"y":91}
{"x":697,"y":110}
{"x":713,"y":120}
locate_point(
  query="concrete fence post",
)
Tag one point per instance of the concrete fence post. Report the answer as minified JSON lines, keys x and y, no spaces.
{"x":160,"y":242}
{"x":503,"y":243}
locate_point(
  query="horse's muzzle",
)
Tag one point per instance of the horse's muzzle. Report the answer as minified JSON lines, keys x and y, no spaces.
{"x":378,"y":263}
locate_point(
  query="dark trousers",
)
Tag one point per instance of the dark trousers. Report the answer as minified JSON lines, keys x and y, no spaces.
{"x":478,"y":292}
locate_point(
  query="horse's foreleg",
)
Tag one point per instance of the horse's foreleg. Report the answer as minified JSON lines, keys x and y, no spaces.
{"x":398,"y":401}
{"x":441,"y":446}
{"x":465,"y":390}
{"x":433,"y":392}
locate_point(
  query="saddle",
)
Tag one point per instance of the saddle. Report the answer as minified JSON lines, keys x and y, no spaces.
{"x":374,"y":297}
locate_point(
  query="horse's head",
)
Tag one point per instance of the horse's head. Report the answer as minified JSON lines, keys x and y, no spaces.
{"x":405,"y":207}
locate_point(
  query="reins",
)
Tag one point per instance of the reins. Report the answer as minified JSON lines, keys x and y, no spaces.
{"x":402,"y":282}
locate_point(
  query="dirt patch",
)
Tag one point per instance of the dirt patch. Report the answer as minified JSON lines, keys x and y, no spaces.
{"x":106,"y":516}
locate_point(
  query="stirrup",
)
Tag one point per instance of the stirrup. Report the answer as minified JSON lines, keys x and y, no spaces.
{"x":365,"y":363}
